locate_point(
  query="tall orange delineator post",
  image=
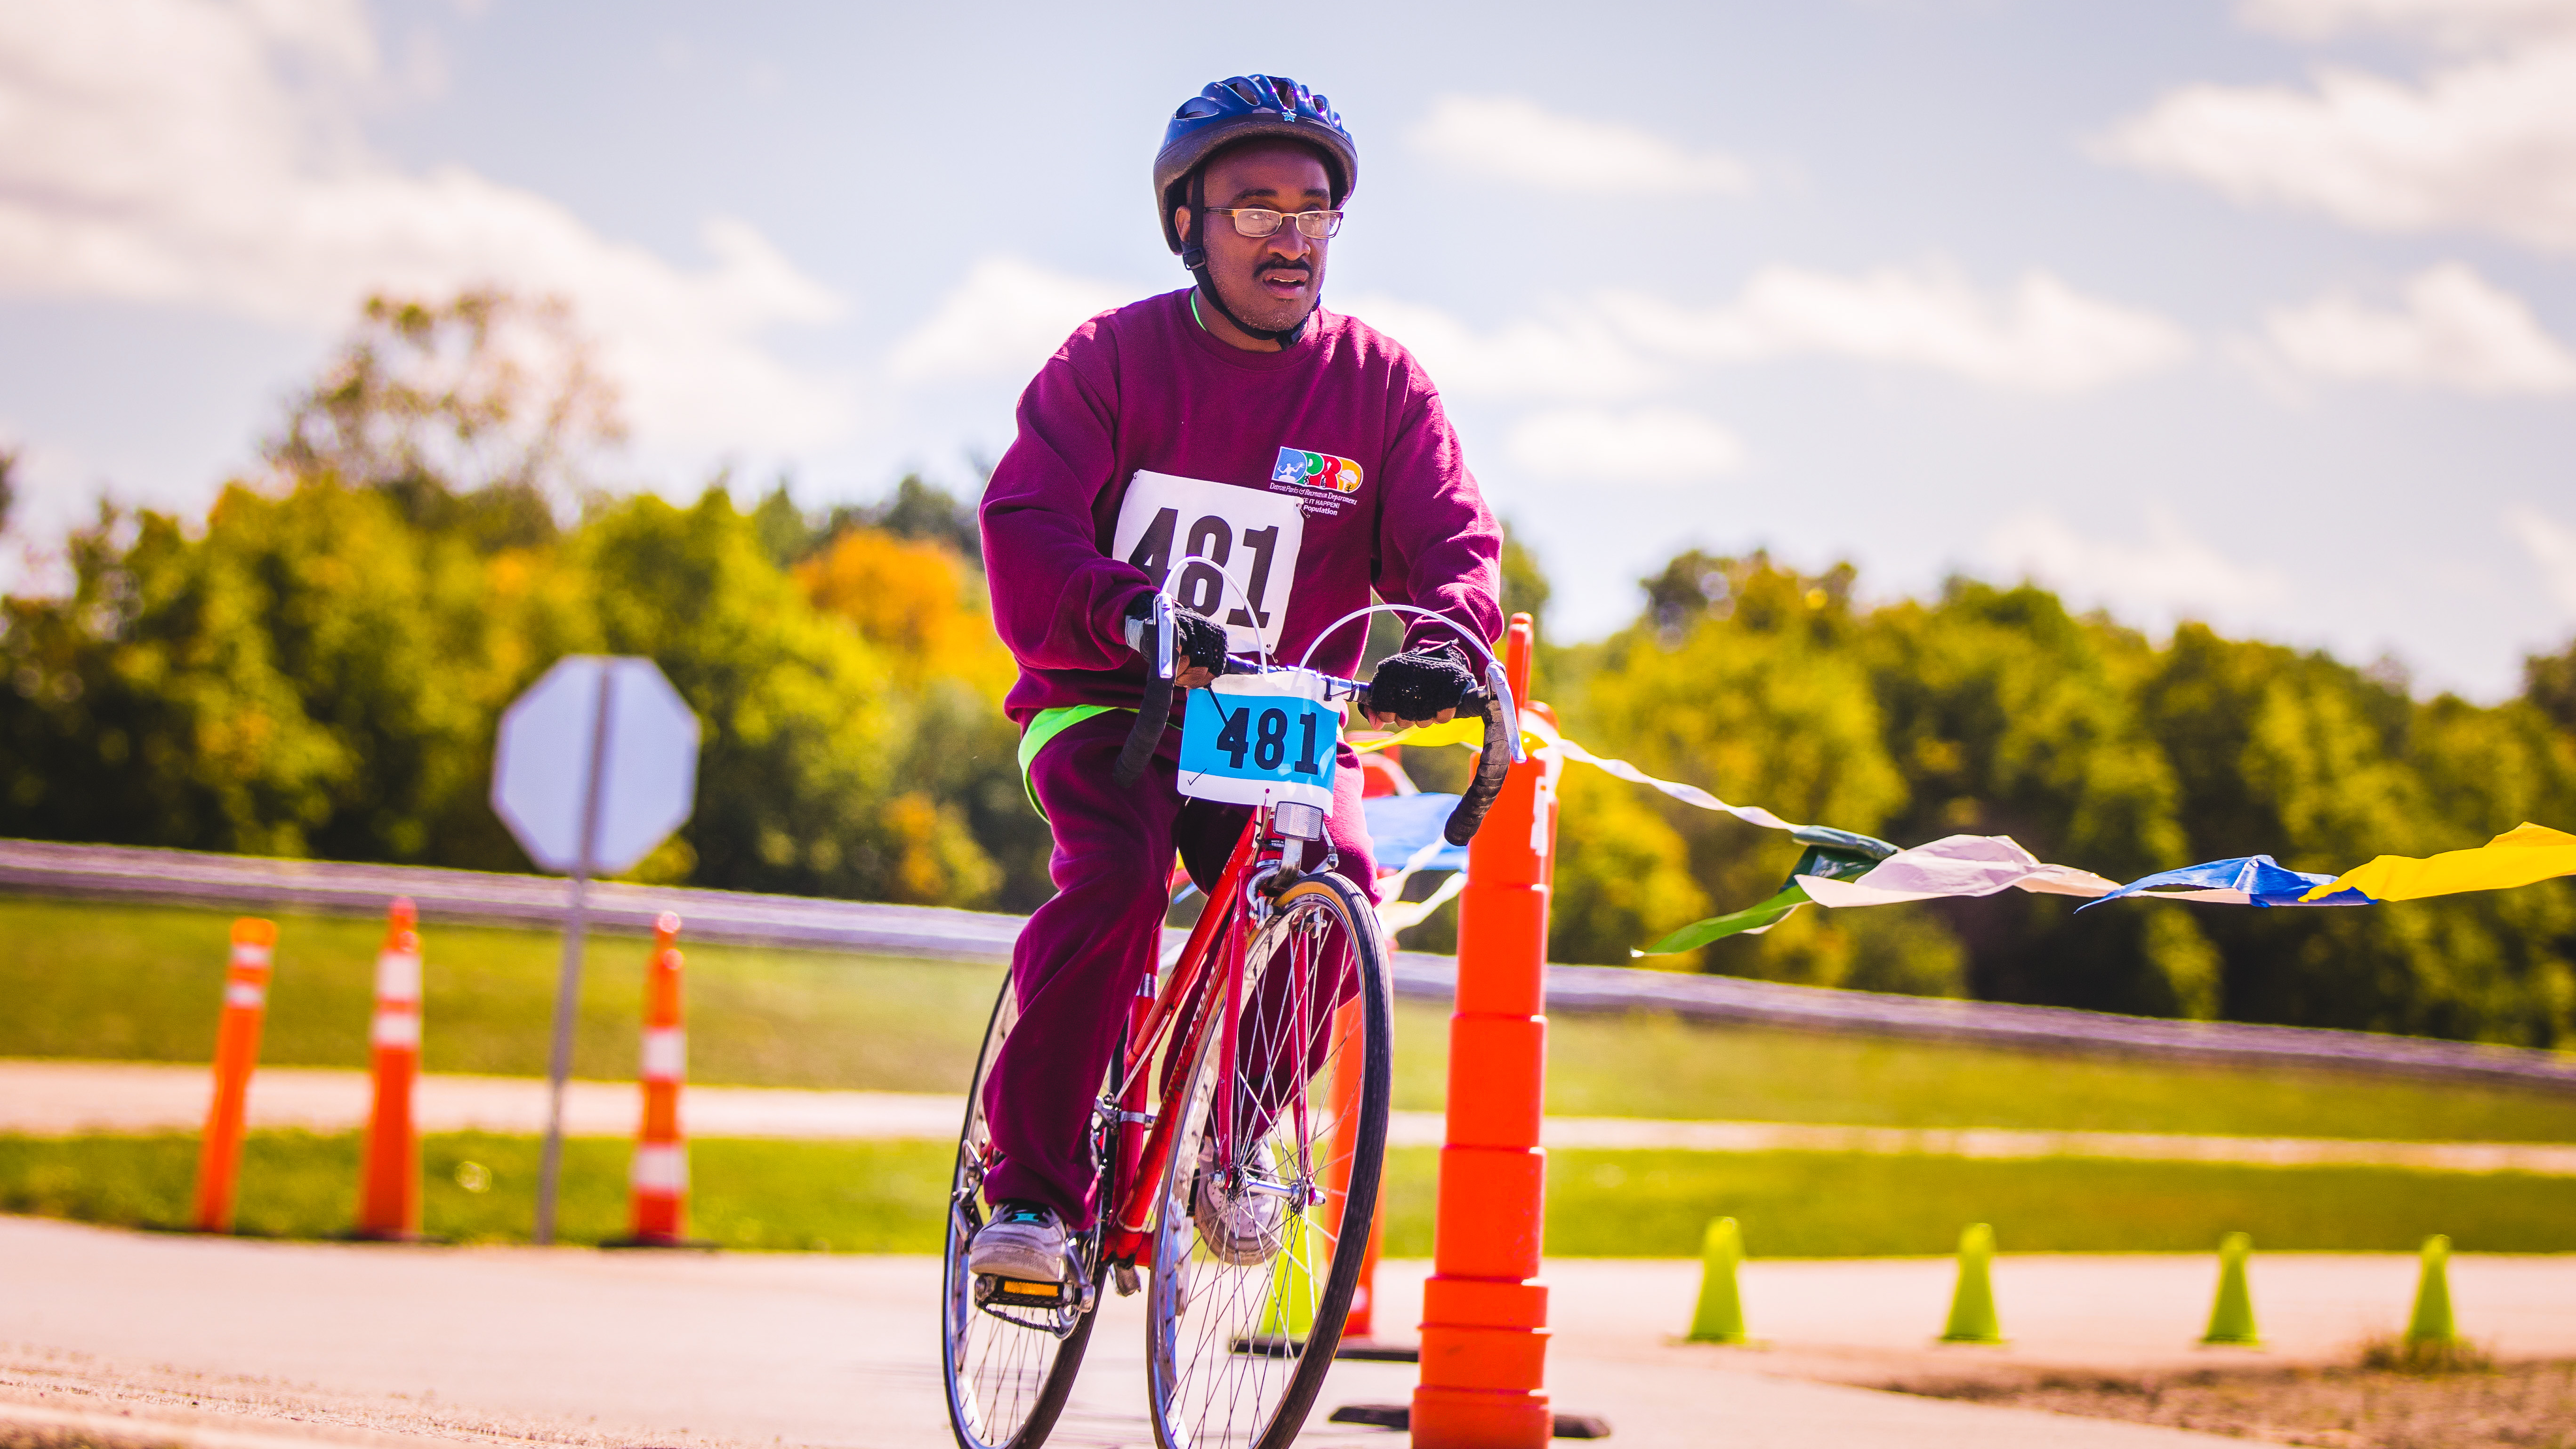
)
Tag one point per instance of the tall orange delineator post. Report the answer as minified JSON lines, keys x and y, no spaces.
{"x":389,"y":1172}
{"x":236,"y":1053}
{"x":1484,"y":1310}
{"x":660,"y":1176}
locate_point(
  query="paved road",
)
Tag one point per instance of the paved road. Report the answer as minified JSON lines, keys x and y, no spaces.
{"x":56,"y":1097}
{"x":594,"y":1348}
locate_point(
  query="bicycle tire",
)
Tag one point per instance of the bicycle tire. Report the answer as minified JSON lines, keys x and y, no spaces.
{"x":1229,"y":1375}
{"x":1012,"y":1404}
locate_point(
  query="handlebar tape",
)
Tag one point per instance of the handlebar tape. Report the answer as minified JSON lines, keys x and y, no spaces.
{"x":1492,"y":767}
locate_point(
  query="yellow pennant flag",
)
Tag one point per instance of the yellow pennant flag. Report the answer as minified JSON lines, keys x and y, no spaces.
{"x":2520,"y":856}
{"x":1468,"y":730}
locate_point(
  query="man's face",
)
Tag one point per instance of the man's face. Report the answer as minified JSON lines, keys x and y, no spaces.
{"x":1271,"y":281}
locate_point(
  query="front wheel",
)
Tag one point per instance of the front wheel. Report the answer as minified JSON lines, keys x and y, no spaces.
{"x":1010,"y":1370}
{"x":1262,"y":1219}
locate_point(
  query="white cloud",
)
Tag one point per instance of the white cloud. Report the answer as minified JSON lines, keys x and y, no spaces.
{"x":2454,"y":330}
{"x":1650,"y":445}
{"x":2455,"y":23}
{"x":204,"y":154}
{"x":2040,"y":336}
{"x":1570,"y":351}
{"x":1005,"y":319}
{"x":2485,"y":144}
{"x":1513,"y":139}
{"x":2169,"y":574}
{"x":2551,"y":545}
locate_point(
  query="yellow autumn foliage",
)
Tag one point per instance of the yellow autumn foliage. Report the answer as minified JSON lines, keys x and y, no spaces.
{"x":916,"y":600}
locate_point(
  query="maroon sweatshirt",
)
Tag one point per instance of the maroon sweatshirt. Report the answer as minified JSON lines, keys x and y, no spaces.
{"x":1300,"y":480}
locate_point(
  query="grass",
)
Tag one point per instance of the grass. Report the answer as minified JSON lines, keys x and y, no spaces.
{"x":863,"y":1197}
{"x":1656,"y":1066}
{"x":884,"y":1197}
{"x":141,"y":983}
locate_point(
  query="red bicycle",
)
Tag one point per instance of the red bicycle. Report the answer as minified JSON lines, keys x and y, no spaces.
{"x":1251,"y":1086}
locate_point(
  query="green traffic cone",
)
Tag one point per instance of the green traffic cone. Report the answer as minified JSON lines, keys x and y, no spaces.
{"x":2231,"y":1318}
{"x":1720,"y":1316}
{"x":1972,"y":1307}
{"x":2432,"y":1321}
{"x":1291,"y":1311}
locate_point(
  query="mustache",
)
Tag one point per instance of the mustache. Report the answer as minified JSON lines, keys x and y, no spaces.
{"x":1300,"y":265}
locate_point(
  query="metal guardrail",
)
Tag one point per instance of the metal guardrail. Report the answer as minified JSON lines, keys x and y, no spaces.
{"x":235,"y":882}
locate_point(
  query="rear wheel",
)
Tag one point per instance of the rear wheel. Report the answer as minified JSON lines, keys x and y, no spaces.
{"x":1256,"y":1253}
{"x":1009,"y":1367}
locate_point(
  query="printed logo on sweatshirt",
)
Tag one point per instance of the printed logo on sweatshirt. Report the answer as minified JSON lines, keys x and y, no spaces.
{"x":1316,"y":470}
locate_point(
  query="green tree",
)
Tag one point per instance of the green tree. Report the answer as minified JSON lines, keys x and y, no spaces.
{"x":1994,"y":711}
{"x":1741,"y":679}
{"x":801,"y":785}
{"x":2308,"y":759}
{"x":2549,"y":683}
{"x":477,"y":416}
{"x":2010,"y":717}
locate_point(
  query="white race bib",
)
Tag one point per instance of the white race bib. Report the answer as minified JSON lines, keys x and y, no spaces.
{"x":1251,"y":538}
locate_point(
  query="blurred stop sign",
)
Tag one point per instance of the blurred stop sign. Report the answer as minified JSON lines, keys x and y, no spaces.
{"x":597,"y":762}
{"x":601,"y":748}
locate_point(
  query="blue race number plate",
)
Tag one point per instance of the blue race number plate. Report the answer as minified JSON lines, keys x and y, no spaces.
{"x":1261,"y":738}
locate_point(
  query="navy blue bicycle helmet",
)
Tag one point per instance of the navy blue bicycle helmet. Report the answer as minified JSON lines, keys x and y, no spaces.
{"x":1244,"y":108}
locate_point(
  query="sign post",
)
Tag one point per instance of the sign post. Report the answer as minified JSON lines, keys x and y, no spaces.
{"x":597,"y":763}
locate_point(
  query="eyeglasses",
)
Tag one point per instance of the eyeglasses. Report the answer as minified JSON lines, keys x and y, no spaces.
{"x":1262,"y":221}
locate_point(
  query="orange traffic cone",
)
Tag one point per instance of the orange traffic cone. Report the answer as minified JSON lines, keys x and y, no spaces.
{"x":389,"y":1172}
{"x":660,"y":1177}
{"x":236,"y":1053}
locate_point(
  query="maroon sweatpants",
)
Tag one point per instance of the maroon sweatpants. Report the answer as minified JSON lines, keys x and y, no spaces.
{"x":1079,"y":958}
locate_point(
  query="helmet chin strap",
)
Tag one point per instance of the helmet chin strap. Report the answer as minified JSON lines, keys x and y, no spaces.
{"x":1194,"y":256}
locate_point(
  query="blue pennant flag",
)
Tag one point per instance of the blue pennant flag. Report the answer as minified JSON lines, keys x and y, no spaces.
{"x":2248,"y":880}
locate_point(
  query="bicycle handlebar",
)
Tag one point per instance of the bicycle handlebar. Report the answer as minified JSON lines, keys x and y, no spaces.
{"x":1493,"y":701}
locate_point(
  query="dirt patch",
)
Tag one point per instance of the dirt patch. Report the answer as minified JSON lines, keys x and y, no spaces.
{"x":2528,"y":1405}
{"x":33,"y":1436}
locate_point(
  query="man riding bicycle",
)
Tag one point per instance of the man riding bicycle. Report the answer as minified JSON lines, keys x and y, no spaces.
{"x":1304,"y":460}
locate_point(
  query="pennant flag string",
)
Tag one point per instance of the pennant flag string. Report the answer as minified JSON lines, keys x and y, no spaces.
{"x":1537,"y":734}
{"x":1841,"y":869}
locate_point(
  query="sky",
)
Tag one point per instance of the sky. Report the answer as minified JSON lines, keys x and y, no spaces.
{"x":2260,"y":313}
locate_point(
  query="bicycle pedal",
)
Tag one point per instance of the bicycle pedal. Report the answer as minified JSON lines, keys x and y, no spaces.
{"x":992,"y":1291}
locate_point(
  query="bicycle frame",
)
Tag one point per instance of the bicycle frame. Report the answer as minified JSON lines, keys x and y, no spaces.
{"x":1140,"y":1140}
{"x":1138,"y":1163}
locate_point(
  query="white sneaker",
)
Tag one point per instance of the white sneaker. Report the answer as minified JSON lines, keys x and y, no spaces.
{"x":1024,"y":1242}
{"x":1241,"y":1227}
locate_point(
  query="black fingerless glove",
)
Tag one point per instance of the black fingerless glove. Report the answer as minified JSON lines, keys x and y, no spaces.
{"x":1195,"y":639}
{"x":1421,"y":684}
